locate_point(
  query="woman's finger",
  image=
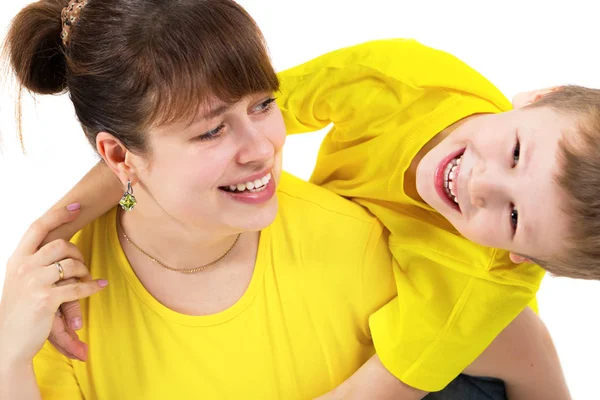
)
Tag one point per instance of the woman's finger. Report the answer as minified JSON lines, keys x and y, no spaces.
{"x":64,"y":269}
{"x":55,"y":251}
{"x":37,"y":232}
{"x":77,"y":291}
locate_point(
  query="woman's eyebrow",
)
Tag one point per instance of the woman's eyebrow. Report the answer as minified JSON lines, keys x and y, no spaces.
{"x":215,"y":112}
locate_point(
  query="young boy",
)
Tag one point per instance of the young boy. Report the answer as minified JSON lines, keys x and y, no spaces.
{"x":432,"y":149}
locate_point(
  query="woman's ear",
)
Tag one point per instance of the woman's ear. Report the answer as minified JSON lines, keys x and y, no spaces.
{"x":121,"y":161}
{"x":524,"y":99}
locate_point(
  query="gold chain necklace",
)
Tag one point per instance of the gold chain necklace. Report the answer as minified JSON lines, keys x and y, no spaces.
{"x":183,"y":271}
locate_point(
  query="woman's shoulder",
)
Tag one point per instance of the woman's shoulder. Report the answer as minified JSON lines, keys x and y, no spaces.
{"x":313,"y":203}
{"x":320,"y":218}
{"x":320,"y":232}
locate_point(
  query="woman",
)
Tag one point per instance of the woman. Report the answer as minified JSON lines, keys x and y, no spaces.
{"x":177,"y":99}
{"x":285,"y":316}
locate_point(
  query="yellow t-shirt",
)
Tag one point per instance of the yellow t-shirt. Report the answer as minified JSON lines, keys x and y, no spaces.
{"x":386,"y":100}
{"x":301,"y":328}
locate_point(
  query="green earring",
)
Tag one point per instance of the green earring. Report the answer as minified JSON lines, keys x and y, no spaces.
{"x":128,"y":200}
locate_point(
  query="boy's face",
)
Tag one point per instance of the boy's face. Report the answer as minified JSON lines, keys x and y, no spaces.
{"x":493,"y":178}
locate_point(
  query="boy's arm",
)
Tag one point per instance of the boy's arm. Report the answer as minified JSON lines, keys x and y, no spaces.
{"x":523,"y":356}
{"x":366,"y":84}
{"x":97,"y":192}
{"x":373,"y":381}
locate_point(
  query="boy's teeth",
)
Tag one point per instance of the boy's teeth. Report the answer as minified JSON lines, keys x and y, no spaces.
{"x":450,"y":176}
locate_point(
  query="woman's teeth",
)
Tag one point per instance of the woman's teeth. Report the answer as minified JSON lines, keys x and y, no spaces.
{"x":256,"y":185}
{"x":450,"y":183}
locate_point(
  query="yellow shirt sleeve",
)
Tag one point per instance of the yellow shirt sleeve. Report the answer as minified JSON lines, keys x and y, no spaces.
{"x":362,"y":84}
{"x":386,"y":99}
{"x":447,"y":312}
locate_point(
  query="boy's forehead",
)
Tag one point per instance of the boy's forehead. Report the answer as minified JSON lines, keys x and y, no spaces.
{"x":544,"y":203}
{"x":546,"y":232}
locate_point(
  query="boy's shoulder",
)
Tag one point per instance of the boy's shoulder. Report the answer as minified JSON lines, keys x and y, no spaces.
{"x":433,"y":241}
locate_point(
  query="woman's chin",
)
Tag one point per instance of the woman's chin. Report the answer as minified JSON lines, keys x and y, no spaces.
{"x":256,"y":220}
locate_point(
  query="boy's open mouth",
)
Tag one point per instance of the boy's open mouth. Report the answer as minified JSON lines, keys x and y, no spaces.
{"x":451,"y":178}
{"x":446,"y":179}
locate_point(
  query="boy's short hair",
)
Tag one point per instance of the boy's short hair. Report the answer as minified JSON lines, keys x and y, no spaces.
{"x":579,"y":178}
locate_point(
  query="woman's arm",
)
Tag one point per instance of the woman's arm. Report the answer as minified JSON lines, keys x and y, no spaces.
{"x":18,"y":382}
{"x":31,"y":297}
{"x":97,"y":192}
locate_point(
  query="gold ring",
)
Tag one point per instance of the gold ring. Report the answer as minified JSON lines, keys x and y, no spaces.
{"x":61,"y":272}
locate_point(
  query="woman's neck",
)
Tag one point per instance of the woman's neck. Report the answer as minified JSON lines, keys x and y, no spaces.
{"x":174,"y":243}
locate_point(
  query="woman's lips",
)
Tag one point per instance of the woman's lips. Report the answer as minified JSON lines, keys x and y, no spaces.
{"x":253,"y":196}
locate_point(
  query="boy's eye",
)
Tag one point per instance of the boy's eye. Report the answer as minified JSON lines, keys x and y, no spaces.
{"x":514,"y":218}
{"x":516,"y":151}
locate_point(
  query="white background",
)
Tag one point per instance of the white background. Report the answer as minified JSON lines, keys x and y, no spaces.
{"x":518,"y":45}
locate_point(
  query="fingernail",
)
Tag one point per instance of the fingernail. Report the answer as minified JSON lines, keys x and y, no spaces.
{"x":76,"y":323}
{"x":102,"y":282}
{"x":74,"y":207}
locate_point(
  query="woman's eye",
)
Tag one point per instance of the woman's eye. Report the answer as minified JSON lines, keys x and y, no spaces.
{"x":514,"y":218}
{"x":213,"y":134}
{"x":265,"y":105}
{"x":516,"y":152}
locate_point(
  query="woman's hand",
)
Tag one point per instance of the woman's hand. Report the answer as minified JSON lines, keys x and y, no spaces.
{"x":32,"y":295}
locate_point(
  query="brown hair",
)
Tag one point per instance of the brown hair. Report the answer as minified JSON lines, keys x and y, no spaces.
{"x":579,"y":178}
{"x":133,"y":64}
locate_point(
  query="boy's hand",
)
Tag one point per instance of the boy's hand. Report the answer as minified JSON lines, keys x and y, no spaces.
{"x":63,"y":335}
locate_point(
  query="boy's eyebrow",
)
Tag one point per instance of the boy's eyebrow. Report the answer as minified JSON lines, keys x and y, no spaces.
{"x":528,"y":229}
{"x":527,"y":155}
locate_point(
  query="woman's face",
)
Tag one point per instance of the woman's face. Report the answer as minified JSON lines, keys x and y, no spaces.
{"x":218,"y":173}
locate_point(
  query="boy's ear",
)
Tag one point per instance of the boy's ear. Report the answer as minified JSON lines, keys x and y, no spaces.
{"x":526,"y":98}
{"x":518,"y":259}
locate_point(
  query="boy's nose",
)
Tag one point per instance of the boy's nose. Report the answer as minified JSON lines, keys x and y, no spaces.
{"x":486,"y":186}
